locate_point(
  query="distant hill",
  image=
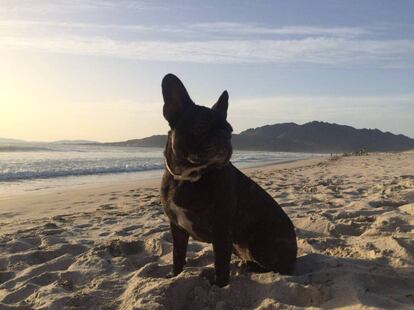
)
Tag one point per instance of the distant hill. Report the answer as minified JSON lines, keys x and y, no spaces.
{"x":310,"y":137}
{"x":319,"y":137}
{"x":11,"y":141}
{"x":77,"y":142}
{"x":21,"y":148}
{"x":24,"y":143}
{"x":15,"y":145}
{"x":152,"y":141}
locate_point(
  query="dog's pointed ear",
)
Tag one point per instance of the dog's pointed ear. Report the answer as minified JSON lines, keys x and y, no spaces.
{"x":222,"y":104}
{"x":176,"y":98}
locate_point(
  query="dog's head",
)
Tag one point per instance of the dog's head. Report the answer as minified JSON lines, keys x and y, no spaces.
{"x":199,"y":136}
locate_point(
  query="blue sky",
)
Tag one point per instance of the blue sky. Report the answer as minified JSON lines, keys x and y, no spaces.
{"x":92,"y":69}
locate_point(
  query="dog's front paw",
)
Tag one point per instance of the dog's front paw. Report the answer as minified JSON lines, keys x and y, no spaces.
{"x":172,"y":274}
{"x":220,"y":282}
{"x":209,"y":274}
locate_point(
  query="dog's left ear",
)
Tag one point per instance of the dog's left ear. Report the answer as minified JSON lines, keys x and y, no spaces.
{"x":176,"y":98}
{"x":222,"y":104}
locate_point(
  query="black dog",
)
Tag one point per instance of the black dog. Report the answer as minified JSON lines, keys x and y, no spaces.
{"x":207,"y":198}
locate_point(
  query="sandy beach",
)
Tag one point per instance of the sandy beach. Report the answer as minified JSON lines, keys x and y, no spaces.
{"x":109,"y":247}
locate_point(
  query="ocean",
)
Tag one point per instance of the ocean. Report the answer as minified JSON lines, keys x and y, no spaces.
{"x":50,"y":166}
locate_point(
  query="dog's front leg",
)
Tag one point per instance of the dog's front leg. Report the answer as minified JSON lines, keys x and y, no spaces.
{"x":222,"y":247}
{"x":180,"y":241}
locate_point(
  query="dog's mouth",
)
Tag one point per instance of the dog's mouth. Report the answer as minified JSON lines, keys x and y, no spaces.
{"x":192,"y":167}
{"x":186,"y":173}
{"x":194,"y":161}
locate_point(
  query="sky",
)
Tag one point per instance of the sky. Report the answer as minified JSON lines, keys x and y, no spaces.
{"x":89,"y":69}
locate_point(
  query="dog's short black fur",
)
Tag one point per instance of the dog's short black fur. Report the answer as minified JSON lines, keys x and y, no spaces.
{"x":207,"y":198}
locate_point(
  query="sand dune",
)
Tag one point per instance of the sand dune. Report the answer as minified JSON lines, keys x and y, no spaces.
{"x":110,"y":248}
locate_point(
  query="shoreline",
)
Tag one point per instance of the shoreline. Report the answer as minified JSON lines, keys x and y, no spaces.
{"x":69,"y":168}
{"x":144,"y":178}
{"x":63,"y":200}
{"x":111,"y":246}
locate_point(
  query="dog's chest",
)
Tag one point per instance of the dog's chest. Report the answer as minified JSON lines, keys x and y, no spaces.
{"x":194,"y":223}
{"x":192,"y":213}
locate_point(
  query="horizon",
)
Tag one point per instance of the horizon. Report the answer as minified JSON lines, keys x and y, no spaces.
{"x":164,"y":134}
{"x":92,"y":70}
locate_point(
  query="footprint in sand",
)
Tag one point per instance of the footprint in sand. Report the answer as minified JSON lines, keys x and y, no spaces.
{"x":124,"y":248}
{"x":106,"y":206}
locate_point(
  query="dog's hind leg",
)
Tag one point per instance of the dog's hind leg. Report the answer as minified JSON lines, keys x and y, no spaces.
{"x":273,"y":254}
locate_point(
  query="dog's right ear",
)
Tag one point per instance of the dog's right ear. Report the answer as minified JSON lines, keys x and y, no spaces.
{"x":176,"y":98}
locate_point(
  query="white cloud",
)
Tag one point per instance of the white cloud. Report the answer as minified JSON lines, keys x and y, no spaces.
{"x":217,"y":28}
{"x":319,"y":50}
{"x":246,"y":28}
{"x":52,"y":26}
{"x":46,"y":6}
{"x":210,"y":42}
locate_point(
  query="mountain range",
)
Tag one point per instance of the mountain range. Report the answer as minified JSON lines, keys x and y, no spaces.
{"x":314,"y":136}
{"x":310,"y":137}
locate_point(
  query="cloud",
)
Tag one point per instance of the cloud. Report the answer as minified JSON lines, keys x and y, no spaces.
{"x":249,"y":28}
{"x":221,"y":43}
{"x":52,"y":26}
{"x":319,"y":50}
{"x":48,"y":7}
{"x":216,"y":28}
